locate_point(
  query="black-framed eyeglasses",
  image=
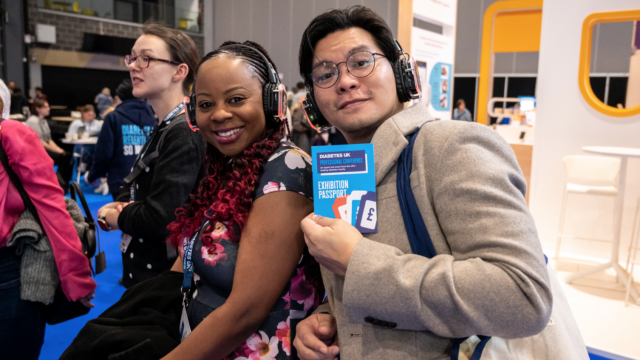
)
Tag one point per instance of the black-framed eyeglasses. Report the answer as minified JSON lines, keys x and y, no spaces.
{"x":359,"y":64}
{"x":143,"y":61}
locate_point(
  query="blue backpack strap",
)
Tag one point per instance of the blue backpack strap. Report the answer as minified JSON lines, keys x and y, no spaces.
{"x":419,"y":237}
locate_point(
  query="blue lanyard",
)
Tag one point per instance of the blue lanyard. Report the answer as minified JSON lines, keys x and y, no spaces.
{"x":187,"y":259}
{"x":166,"y":120}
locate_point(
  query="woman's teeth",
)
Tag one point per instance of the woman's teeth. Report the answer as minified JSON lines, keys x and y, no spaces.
{"x":229,"y":133}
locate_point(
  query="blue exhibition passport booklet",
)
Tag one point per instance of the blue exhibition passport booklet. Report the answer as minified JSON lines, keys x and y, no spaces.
{"x":344,"y":184}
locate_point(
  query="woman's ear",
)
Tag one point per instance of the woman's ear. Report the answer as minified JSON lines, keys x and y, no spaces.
{"x":181,"y":73}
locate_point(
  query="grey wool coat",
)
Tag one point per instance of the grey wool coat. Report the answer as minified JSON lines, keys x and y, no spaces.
{"x":489,"y":277}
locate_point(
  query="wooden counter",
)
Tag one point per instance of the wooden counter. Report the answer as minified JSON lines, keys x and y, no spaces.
{"x":524,"y":154}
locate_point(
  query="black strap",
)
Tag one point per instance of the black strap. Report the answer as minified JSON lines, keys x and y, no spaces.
{"x":74,"y":190}
{"x":143,"y":163}
{"x":18,"y":184}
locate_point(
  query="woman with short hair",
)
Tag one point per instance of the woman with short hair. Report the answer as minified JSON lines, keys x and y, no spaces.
{"x":60,"y":157}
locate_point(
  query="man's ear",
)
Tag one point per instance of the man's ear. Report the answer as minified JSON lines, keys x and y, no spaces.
{"x":181,"y":73}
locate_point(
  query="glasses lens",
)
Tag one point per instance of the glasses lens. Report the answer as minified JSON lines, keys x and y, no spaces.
{"x":127,"y":60}
{"x":361,"y":64}
{"x":325,"y":75}
{"x":143,"y":61}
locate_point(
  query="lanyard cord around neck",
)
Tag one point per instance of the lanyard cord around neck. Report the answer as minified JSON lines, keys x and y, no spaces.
{"x":167,"y":119}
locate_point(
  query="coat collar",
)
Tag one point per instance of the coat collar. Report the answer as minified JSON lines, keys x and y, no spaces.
{"x":389,"y":140}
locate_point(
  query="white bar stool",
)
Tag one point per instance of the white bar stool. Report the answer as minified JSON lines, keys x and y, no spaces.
{"x":633,"y":252}
{"x":587,"y":175}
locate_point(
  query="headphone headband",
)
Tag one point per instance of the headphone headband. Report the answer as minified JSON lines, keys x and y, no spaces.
{"x":273,"y":76}
{"x":274,"y":96}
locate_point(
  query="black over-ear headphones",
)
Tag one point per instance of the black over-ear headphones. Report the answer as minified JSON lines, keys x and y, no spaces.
{"x":408,"y":88}
{"x":274,"y":95}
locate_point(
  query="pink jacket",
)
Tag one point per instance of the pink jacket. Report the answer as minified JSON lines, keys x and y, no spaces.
{"x":29,"y":160}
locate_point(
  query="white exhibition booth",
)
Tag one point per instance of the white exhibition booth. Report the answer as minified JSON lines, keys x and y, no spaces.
{"x":567,"y":122}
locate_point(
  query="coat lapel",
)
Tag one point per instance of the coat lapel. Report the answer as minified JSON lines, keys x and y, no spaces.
{"x":389,"y":140}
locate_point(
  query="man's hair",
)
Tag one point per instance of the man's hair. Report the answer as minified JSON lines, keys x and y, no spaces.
{"x":343,"y":19}
{"x":125,"y":90}
{"x":38,"y":88}
{"x":459,"y":102}
{"x":300,"y":85}
{"x":38,"y":104}
{"x":180,"y":46}
{"x":87,"y":108}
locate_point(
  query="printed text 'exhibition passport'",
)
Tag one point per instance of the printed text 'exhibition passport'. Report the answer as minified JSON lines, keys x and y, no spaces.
{"x":344,"y":184}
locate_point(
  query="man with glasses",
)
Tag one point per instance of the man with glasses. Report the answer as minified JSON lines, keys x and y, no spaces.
{"x":384,"y":302}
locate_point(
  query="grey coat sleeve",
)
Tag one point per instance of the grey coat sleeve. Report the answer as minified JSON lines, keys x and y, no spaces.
{"x":492,"y":280}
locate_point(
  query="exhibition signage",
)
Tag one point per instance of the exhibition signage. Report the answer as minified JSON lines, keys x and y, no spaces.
{"x":433,"y":48}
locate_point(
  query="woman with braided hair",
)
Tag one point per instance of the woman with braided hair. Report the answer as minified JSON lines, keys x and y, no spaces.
{"x":254,"y":277}
{"x":239,"y":235}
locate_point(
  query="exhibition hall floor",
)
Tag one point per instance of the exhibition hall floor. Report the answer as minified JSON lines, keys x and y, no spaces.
{"x":608,"y":327}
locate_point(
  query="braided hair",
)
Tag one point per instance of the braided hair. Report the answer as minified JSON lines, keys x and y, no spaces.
{"x":226,"y":192}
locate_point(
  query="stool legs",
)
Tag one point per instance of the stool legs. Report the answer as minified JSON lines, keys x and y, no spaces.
{"x":633,"y":251}
{"x":563,"y":213}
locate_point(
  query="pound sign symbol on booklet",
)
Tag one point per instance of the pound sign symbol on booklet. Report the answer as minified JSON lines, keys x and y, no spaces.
{"x":371,"y":210}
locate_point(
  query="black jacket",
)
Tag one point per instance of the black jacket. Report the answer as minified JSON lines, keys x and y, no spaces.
{"x":123,"y":135}
{"x":172,"y":176}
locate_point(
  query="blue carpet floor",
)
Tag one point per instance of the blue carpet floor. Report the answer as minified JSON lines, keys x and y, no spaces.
{"x":59,"y":337}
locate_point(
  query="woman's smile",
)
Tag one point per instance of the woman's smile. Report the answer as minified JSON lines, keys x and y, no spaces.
{"x":228,"y":136}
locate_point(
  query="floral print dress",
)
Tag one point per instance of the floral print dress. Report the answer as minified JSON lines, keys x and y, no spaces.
{"x":288,"y":169}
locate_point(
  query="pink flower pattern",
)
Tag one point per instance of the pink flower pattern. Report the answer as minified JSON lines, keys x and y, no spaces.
{"x":302,"y":291}
{"x":262,"y":347}
{"x":283,"y":334}
{"x":273,"y":187}
{"x":213,"y":254}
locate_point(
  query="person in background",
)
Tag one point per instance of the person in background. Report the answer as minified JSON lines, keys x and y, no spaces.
{"x":90,"y":127}
{"x":22,"y":322}
{"x":103,"y":101}
{"x":123,"y":134}
{"x":60,"y":158}
{"x":39,"y":94}
{"x":301,"y":130}
{"x":88,"y":121}
{"x":290,"y":95}
{"x":461,"y":112}
{"x":5,"y":94}
{"x":301,"y":93}
{"x":18,"y":101}
{"x":11,"y":86}
{"x":116,"y":101}
{"x":161,"y":65}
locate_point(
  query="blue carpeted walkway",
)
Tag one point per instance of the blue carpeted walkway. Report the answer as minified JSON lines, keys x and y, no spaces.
{"x":57,"y":338}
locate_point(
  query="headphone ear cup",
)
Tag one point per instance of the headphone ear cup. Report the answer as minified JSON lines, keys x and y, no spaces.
{"x":398,"y":73}
{"x":190,"y":109}
{"x":268,"y":101}
{"x":312,"y":112}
